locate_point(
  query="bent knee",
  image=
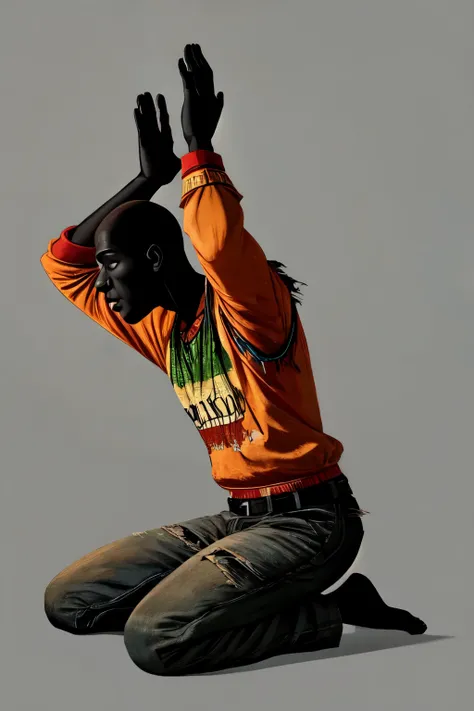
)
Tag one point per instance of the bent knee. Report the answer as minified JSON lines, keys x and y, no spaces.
{"x":143,"y":643}
{"x":61,"y":608}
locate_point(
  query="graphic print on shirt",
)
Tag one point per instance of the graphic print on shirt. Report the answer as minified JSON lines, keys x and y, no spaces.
{"x":207,"y":386}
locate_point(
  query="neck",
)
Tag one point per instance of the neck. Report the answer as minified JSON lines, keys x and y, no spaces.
{"x":186,"y":291}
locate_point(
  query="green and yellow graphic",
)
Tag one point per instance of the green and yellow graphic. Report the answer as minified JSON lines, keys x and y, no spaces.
{"x":206,"y":384}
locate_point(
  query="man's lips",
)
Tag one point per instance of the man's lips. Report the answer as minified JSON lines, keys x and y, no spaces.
{"x":114,"y":304}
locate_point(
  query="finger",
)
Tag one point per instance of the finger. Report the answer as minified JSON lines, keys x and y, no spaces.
{"x":137,"y":117}
{"x":147,"y":100}
{"x":203,"y":75}
{"x":140,"y":103}
{"x":151,"y":112}
{"x":163,"y":108}
{"x":148,"y":105}
{"x":196,"y":54}
{"x":143,"y":128}
{"x":189,"y":58}
{"x":145,"y":136}
{"x":200,"y":58}
{"x":185,"y":75}
{"x":164,"y":115}
{"x":220,"y":101}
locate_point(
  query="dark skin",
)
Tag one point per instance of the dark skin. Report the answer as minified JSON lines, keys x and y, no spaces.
{"x":140,"y":248}
{"x":202,"y":108}
{"x":159,"y":165}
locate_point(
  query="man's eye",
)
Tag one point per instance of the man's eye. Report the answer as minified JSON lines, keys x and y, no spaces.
{"x":111,"y":266}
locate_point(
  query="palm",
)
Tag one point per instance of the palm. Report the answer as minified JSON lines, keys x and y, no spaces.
{"x":202,"y":108}
{"x":158,"y":160}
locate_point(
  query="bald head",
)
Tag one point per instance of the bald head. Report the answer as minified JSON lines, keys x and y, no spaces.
{"x":135,"y":226}
{"x":140,"y":249}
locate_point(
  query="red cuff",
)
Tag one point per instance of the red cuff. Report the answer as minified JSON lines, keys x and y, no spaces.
{"x":71,"y":253}
{"x":198,"y":159}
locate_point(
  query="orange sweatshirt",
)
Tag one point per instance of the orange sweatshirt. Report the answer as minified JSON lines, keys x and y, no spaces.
{"x":244,"y":374}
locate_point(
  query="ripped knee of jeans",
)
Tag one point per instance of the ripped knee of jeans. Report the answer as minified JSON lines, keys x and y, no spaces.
{"x":237,"y":569}
{"x":185,"y":535}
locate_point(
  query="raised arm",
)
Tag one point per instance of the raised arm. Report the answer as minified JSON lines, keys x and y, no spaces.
{"x":158,"y":166}
{"x":70,"y":260}
{"x":251,"y":295}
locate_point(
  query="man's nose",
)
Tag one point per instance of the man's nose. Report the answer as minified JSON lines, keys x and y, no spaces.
{"x":102,"y":281}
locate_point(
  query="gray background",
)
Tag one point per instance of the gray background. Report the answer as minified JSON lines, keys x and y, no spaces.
{"x":348,"y":127}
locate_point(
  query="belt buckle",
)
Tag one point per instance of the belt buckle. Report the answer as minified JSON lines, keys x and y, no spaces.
{"x":245,"y":504}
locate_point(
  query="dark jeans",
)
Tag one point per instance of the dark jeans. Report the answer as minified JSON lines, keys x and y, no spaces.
{"x":214,"y":592}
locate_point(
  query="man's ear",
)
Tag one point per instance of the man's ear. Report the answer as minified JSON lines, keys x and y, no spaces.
{"x":155,"y":255}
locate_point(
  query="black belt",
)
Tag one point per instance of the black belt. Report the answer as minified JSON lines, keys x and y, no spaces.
{"x":316,"y":495}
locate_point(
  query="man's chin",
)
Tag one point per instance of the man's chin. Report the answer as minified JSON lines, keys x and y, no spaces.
{"x":132,"y":316}
{"x":131,"y":319}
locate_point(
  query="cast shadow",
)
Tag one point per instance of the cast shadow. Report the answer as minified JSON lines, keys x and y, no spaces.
{"x":361,"y":641}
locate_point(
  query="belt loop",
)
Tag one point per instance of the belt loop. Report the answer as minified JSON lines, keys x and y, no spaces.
{"x":297,"y":499}
{"x":334,"y":489}
{"x":269,"y":504}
